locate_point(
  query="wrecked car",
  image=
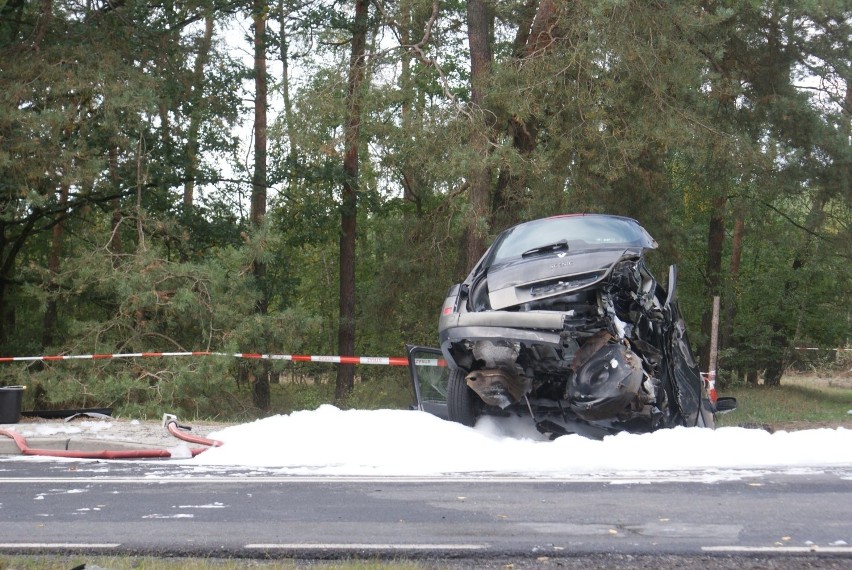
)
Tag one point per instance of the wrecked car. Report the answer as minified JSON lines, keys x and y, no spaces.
{"x":562,"y":322}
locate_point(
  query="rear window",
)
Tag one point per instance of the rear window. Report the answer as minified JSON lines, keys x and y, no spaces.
{"x":582,"y":232}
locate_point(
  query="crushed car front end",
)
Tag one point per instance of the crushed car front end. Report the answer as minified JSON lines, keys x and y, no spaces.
{"x":562,"y":321}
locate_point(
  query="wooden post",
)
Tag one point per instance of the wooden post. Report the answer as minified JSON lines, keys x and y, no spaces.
{"x":714,"y":342}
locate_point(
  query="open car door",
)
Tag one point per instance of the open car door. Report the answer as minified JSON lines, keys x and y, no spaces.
{"x":686,"y":380}
{"x":429,"y":378}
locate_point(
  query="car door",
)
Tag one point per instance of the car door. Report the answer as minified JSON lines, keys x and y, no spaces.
{"x":683,"y":369}
{"x":429,"y":377}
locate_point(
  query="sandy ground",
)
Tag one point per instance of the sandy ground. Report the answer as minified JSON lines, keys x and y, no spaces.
{"x":144,"y":433}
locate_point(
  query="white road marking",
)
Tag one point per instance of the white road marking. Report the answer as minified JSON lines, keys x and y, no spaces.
{"x":194,"y":479}
{"x":365,"y":546}
{"x":60,"y":544}
{"x":781,"y":549}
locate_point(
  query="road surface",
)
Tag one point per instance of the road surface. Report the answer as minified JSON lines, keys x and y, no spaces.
{"x":158,"y":508}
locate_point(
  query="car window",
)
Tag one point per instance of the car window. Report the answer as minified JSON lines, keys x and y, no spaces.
{"x":429,"y":377}
{"x":581,"y":231}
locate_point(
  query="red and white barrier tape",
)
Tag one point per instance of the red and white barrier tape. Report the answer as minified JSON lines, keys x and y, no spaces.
{"x":381,"y":360}
{"x":378,"y":360}
{"x":98,"y":356}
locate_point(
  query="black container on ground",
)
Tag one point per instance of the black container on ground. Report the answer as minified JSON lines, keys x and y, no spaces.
{"x":10,"y":404}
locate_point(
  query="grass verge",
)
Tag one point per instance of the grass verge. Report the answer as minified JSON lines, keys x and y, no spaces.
{"x":151,"y":563}
{"x":801,"y":402}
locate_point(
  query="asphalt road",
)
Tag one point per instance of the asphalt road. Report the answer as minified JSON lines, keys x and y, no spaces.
{"x":159,"y":508}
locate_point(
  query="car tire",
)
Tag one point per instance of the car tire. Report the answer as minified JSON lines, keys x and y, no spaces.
{"x":461,"y":400}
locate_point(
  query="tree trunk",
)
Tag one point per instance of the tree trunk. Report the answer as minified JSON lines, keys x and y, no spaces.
{"x":196,"y":110}
{"x":285,"y":87}
{"x":349,"y":208}
{"x":51,"y":311}
{"x":7,"y":317}
{"x":10,"y":248}
{"x":258,"y":196}
{"x":835,"y":182}
{"x":783,"y":334}
{"x":727,"y":337}
{"x":541,"y":34}
{"x":45,"y":15}
{"x":536,"y":31}
{"x":526,"y":16}
{"x":260,"y":386}
{"x":734,"y":270}
{"x":115,"y":244}
{"x":409,"y":176}
{"x":413,"y":18}
{"x":479,"y":20}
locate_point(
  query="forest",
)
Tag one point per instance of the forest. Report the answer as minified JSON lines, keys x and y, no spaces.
{"x":310,"y":176}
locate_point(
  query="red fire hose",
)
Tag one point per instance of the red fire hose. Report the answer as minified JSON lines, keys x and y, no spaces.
{"x":175,"y":429}
{"x":169,"y":421}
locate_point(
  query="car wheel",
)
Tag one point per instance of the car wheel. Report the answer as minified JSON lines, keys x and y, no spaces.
{"x":461,"y":400}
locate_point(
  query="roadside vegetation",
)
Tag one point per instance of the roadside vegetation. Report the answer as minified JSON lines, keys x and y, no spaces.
{"x":572,"y":562}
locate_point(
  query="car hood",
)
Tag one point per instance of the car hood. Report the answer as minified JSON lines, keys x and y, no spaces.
{"x":522,"y":280}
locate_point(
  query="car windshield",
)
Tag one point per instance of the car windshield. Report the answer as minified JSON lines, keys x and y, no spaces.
{"x":582,"y":232}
